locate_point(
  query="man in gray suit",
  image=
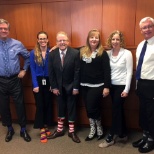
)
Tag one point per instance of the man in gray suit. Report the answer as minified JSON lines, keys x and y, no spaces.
{"x":64,"y":67}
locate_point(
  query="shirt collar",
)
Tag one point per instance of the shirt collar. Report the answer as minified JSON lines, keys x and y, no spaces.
{"x":151,"y":40}
{"x":60,"y":51}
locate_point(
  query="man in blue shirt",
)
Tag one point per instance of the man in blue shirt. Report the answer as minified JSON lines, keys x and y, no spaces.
{"x":10,"y":80}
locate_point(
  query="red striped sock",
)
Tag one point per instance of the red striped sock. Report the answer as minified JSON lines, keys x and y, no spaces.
{"x":71,"y":127}
{"x":60,"y":124}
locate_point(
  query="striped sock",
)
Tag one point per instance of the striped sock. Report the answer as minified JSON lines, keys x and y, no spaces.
{"x":71,"y":127}
{"x":43,"y":138}
{"x":60,"y":124}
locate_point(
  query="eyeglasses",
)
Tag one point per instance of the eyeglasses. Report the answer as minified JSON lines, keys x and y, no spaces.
{"x":42,"y":39}
{"x":6,"y":29}
{"x":147,"y":27}
{"x":62,"y":41}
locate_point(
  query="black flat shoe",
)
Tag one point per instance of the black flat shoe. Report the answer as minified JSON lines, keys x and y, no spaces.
{"x":25,"y":136}
{"x":147,"y":147}
{"x":138,"y":143}
{"x":9,"y":135}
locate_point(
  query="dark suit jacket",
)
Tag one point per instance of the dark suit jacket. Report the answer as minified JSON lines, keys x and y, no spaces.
{"x":66,"y":76}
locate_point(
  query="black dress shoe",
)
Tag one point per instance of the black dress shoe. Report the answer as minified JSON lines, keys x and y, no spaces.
{"x":139,"y":143}
{"x":74,"y":137}
{"x":148,"y":146}
{"x":55,"y":134}
{"x":25,"y":136}
{"x":9,"y":135}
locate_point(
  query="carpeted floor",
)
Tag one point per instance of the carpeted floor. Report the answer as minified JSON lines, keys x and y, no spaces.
{"x":62,"y":145}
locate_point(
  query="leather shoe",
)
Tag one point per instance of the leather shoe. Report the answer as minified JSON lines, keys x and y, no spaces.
{"x":147,"y":147}
{"x":74,"y":137}
{"x":9,"y":135}
{"x":139,"y":143}
{"x":25,"y":136}
{"x":55,"y":134}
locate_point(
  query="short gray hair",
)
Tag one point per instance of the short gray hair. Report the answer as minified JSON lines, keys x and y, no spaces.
{"x":145,"y":19}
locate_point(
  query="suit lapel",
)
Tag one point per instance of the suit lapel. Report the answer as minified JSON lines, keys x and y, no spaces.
{"x":67,"y":57}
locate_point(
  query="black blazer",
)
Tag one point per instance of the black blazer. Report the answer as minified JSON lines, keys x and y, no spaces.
{"x":66,"y":76}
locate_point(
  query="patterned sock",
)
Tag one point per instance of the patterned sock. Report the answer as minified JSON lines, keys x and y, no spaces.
{"x":60,"y":124}
{"x":47,"y":131}
{"x":71,"y":127}
{"x":43,"y":138}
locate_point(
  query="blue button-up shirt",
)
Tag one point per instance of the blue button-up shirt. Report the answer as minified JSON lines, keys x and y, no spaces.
{"x":14,"y":48}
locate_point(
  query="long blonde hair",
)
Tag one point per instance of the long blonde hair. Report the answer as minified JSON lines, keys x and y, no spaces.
{"x":37,"y":50}
{"x":87,"y":49}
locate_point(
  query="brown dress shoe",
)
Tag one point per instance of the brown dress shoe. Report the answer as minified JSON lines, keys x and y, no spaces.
{"x":55,"y":134}
{"x":74,"y":137}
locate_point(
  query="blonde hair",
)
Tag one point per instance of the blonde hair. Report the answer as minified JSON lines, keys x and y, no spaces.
{"x":87,"y":49}
{"x":37,"y":50}
{"x":122,"y":41}
{"x":3,"y":21}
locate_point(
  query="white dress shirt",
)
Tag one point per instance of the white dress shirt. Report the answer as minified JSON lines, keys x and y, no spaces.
{"x":147,"y":69}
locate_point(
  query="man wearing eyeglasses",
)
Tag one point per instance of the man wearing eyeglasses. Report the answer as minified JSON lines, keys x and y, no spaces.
{"x":10,"y":80}
{"x":64,"y":66}
{"x":145,"y":85}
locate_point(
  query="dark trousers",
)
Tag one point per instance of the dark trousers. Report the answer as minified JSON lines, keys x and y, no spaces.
{"x":12,"y":87}
{"x":92,"y":97}
{"x":43,"y":115}
{"x":118,"y":118}
{"x":145,"y":92}
{"x":67,"y":103}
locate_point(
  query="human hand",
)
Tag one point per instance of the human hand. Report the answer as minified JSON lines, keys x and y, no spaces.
{"x":75,"y":91}
{"x":21,"y":74}
{"x":124,"y":94}
{"x":106,"y":92}
{"x":56,"y":92}
{"x":36,"y":90}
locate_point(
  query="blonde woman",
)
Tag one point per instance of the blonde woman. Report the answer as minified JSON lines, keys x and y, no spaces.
{"x":41,"y":85}
{"x":95,"y":81}
{"x":121,"y":63}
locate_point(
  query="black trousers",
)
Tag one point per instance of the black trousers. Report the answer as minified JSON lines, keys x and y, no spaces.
{"x":145,"y":92}
{"x":92,"y":97}
{"x":12,"y":87}
{"x":43,"y":101}
{"x":67,"y":104}
{"x":118,"y":125}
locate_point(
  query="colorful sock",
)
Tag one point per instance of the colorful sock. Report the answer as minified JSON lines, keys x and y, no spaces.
{"x":43,"y":138}
{"x":60,"y":124}
{"x":71,"y":127}
{"x":47,"y":131}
